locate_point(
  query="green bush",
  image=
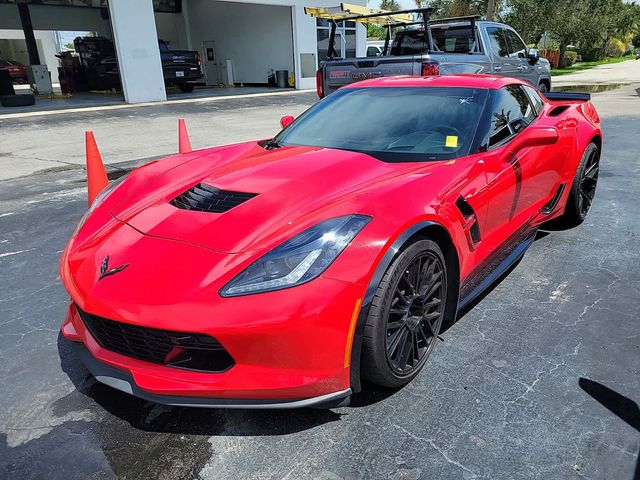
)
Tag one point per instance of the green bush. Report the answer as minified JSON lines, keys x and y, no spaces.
{"x":569,"y":58}
{"x":591,"y":54}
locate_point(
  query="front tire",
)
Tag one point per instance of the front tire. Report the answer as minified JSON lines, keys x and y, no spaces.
{"x":405,"y":316}
{"x":583,"y":190}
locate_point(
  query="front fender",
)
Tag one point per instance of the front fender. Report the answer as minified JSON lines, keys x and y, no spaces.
{"x":389,"y":253}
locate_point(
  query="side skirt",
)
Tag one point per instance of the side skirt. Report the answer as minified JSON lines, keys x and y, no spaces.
{"x":498,"y":263}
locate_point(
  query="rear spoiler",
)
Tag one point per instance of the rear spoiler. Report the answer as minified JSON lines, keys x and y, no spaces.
{"x":567,"y":96}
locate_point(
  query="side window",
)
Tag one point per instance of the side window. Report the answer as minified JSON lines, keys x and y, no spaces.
{"x":372,"y":51}
{"x":497,"y":42}
{"x":411,"y":42}
{"x":453,"y":39}
{"x":511,"y":113}
{"x":536,"y":99}
{"x":518,"y":48}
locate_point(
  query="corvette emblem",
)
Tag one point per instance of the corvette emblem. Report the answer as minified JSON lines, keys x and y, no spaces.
{"x":105,"y":271}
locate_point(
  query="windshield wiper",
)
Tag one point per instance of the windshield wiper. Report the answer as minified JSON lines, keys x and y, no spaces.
{"x":271,"y":144}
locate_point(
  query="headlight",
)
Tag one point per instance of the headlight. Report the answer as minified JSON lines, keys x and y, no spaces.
{"x":298,"y":260}
{"x":98,"y":200}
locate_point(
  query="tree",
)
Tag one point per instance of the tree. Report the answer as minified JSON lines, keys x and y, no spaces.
{"x":460,"y":8}
{"x":588,"y":24}
{"x":390,"y":5}
{"x":379,"y":31}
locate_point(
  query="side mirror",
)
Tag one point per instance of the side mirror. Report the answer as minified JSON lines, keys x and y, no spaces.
{"x":533,"y":54}
{"x":286,"y":121}
{"x":530,"y":137}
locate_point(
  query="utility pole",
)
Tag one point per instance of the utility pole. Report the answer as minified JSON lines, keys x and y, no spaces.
{"x":490,"y":8}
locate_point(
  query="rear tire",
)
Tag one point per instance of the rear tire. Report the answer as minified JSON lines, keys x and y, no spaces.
{"x":406,"y":315}
{"x":186,"y":87}
{"x":583,"y":190}
{"x":543,"y":87}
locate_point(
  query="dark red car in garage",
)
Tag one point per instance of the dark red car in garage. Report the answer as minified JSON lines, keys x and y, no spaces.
{"x":17,"y":71}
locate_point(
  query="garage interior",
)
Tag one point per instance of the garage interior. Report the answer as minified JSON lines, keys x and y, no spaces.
{"x":240,"y":44}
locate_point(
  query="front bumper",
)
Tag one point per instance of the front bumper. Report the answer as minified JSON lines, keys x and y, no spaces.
{"x":295,"y":360}
{"x":124,"y":382}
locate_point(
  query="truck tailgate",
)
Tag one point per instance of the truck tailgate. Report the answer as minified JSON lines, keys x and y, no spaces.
{"x":338,"y":73}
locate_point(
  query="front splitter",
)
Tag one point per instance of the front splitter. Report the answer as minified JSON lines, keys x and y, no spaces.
{"x":124,"y":382}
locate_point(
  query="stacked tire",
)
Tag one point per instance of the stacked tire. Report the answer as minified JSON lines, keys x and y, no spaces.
{"x":25,"y":100}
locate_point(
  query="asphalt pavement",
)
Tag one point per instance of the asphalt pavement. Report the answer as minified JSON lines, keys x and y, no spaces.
{"x":540,"y":380}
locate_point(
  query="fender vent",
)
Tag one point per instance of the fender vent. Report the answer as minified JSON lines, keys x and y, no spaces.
{"x":205,"y":198}
{"x":464,"y":207}
{"x":471,"y":227}
{"x":551,"y":204}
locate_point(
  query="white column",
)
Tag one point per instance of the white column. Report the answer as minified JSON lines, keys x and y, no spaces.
{"x":304,"y":41}
{"x":136,"y":42}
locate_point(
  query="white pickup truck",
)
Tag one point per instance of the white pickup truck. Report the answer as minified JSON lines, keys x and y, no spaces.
{"x":455,"y":45}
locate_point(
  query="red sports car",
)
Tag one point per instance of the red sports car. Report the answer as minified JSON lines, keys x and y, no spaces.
{"x":278,"y":273}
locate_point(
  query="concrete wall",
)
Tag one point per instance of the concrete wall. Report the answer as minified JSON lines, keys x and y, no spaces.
{"x":56,"y":18}
{"x":259,"y":34}
{"x":255,"y":37}
{"x":171,"y":28}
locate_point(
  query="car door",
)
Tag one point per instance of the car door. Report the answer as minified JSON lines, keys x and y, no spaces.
{"x":516,"y":186}
{"x":502,"y":63}
{"x":518,"y":54}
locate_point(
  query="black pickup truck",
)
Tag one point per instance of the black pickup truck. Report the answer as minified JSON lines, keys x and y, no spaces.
{"x":99,"y":66}
{"x":180,"y":67}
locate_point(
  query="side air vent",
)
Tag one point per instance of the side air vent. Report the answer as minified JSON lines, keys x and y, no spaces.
{"x":556,"y":111}
{"x":205,"y":198}
{"x":464,"y":207}
{"x":471,"y":227}
{"x":551,"y":204}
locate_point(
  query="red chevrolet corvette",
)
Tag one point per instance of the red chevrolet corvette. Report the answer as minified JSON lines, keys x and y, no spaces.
{"x":278,"y":273}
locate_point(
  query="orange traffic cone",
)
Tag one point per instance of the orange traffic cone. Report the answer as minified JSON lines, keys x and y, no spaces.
{"x":96,"y":174}
{"x":184,"y":144}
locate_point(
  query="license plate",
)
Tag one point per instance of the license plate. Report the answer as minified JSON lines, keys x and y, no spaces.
{"x":179,"y":74}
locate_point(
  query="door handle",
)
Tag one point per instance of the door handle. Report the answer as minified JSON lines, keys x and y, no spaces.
{"x":497,"y":68}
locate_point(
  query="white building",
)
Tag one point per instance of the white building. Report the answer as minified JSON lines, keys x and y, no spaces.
{"x":250,"y":38}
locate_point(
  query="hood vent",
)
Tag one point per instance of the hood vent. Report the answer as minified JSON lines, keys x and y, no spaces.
{"x":205,"y":198}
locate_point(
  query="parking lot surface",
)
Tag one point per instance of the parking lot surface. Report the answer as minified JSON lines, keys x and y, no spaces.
{"x":540,"y":380}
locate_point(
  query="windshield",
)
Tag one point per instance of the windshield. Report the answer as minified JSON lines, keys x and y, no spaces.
{"x":398,"y":124}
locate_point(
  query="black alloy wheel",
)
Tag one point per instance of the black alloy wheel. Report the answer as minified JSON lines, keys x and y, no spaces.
{"x":405,"y":315}
{"x":589,"y":182}
{"x":582,"y":193}
{"x":415,"y":314}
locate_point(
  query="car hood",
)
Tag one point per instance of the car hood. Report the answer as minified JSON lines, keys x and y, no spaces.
{"x":293,"y":187}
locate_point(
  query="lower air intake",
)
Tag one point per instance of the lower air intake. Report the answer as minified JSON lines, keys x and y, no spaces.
{"x":192,"y":351}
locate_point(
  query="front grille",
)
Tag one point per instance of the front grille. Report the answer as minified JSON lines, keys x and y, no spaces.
{"x":205,"y":198}
{"x":193,"y":351}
